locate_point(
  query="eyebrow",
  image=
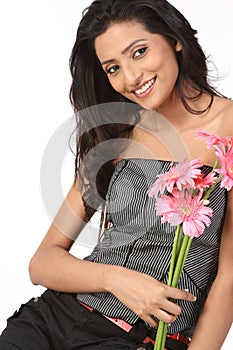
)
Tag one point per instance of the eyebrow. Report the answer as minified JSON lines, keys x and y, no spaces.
{"x":124,"y":51}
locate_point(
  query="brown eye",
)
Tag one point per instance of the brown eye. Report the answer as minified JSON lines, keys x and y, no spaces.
{"x":139,"y":52}
{"x":112,"y":69}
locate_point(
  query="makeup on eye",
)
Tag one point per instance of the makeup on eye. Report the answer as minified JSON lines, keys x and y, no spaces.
{"x":112,"y":69}
{"x":136,"y":54}
{"x":139,"y":52}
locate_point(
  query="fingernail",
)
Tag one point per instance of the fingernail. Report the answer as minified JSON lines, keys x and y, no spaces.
{"x":186,"y":290}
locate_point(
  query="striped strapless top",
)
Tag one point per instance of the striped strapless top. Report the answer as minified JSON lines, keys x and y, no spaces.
{"x":138,"y":240}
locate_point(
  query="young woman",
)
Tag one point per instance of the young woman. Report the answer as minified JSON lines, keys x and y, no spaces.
{"x":140,"y":89}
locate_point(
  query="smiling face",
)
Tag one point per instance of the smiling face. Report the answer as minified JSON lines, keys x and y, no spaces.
{"x":140,"y":65}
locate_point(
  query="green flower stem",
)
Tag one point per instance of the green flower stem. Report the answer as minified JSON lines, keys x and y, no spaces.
{"x":162,"y":328}
{"x":175,"y":251}
{"x":180,"y":251}
{"x":163,"y":340}
{"x":210,"y":189}
{"x":181,"y":259}
{"x":187,"y":250}
{"x":181,"y":236}
{"x":215,"y":164}
{"x":160,"y":336}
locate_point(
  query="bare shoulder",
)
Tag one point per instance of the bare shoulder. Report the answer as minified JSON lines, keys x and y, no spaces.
{"x":68,"y":222}
{"x":225,"y":116}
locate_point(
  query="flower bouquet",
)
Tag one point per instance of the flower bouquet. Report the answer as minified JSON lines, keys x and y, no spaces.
{"x":182,"y":200}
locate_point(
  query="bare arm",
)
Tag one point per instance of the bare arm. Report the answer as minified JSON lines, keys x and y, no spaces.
{"x":217,"y":315}
{"x":54,"y":267}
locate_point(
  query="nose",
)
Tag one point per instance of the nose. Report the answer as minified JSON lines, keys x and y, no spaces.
{"x":132,"y":76}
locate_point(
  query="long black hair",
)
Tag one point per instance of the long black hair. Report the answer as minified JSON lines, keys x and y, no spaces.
{"x":90,"y":85}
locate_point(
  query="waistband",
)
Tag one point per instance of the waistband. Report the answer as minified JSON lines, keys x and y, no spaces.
{"x":179,"y":337}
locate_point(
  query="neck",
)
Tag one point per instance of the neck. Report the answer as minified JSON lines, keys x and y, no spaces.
{"x":175,"y":111}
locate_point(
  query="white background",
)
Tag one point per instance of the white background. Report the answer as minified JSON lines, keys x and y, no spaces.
{"x":36,"y":38}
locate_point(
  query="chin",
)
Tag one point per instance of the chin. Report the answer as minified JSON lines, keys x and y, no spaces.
{"x":149,"y":106}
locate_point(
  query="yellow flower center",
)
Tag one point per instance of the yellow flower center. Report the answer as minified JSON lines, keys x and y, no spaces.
{"x":186,"y":210}
{"x":230,"y":168}
{"x":172,"y":176}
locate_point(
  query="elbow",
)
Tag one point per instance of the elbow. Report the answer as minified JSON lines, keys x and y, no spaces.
{"x":31,"y":271}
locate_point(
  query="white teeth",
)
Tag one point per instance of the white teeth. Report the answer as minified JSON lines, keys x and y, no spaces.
{"x":145,"y":87}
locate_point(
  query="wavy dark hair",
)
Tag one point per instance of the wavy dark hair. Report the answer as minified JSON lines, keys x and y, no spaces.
{"x":90,"y":85}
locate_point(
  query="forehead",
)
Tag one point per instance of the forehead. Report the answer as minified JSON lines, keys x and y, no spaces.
{"x":118,"y":36}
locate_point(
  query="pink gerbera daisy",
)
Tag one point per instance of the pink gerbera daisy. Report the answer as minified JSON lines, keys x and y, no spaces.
{"x":225,"y":157}
{"x":185,"y":209}
{"x":212,"y":139}
{"x":181,"y":175}
{"x":201,"y":182}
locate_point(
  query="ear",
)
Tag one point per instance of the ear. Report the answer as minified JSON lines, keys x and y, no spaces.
{"x":178,"y":47}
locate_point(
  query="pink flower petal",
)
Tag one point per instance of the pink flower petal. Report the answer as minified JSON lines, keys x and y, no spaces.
{"x":212,"y":139}
{"x":185,"y":209}
{"x":181,"y":175}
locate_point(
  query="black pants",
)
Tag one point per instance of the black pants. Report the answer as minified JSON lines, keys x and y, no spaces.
{"x":56,"y":321}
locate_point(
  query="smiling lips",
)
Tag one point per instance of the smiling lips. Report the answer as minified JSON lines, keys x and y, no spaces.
{"x":145,"y":89}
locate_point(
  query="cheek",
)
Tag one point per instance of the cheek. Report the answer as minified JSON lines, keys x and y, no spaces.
{"x":171,"y":69}
{"x":116,"y":85}
{"x":175,"y":71}
{"x":164,"y":59}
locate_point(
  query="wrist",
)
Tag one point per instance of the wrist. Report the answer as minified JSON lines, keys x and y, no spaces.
{"x":112,"y":277}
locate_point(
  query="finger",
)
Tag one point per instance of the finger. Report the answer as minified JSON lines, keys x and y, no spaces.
{"x":172,"y":308}
{"x":180,"y":294}
{"x":165,"y":316}
{"x":151,"y":321}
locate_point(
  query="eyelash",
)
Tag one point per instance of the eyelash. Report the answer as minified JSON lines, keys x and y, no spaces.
{"x":141,"y":51}
{"x":113,"y":67}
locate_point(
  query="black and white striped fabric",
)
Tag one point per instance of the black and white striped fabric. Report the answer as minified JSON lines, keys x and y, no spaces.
{"x":139,"y":241}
